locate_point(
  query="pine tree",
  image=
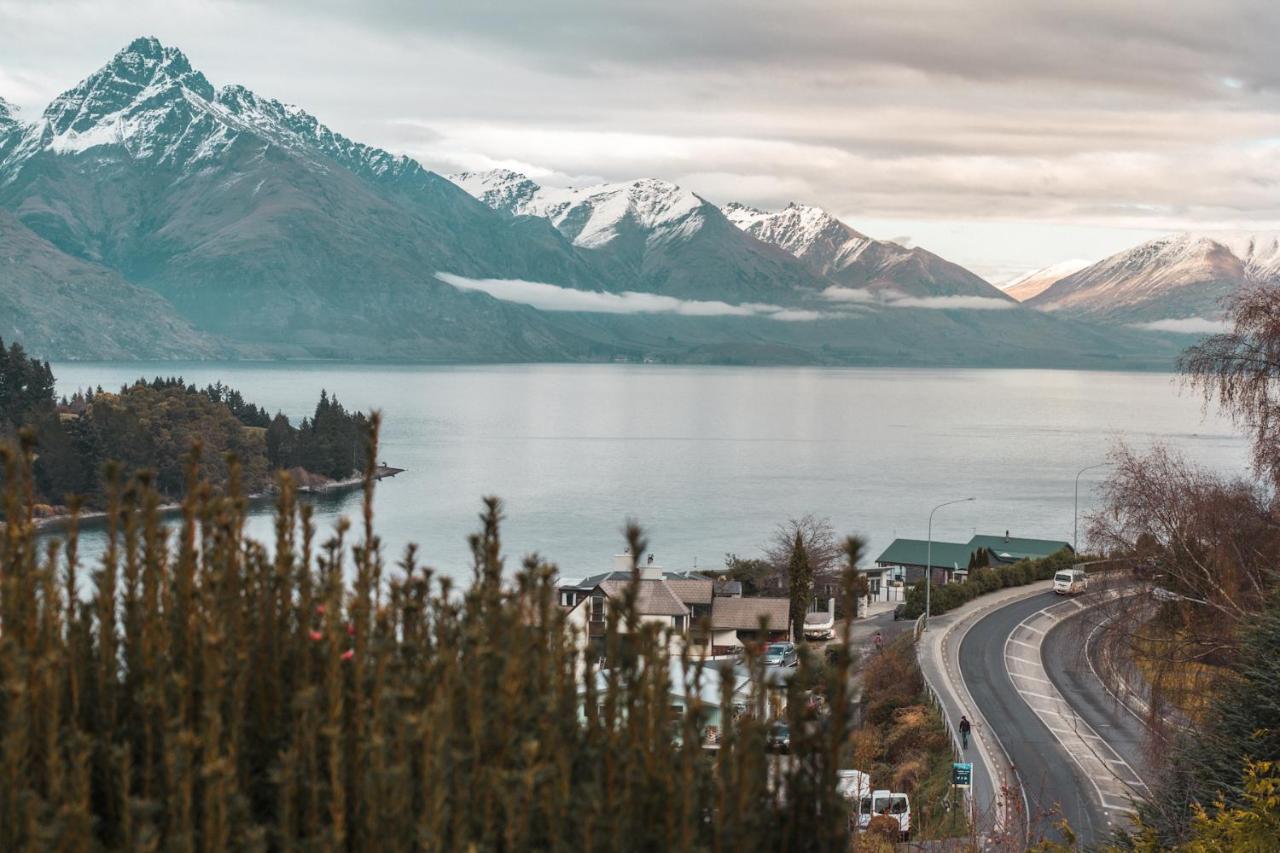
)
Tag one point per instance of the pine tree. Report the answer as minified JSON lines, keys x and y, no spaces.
{"x":800,"y":574}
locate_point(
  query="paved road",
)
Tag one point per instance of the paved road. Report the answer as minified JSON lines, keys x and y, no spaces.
{"x":1070,"y":664}
{"x":1055,"y":786}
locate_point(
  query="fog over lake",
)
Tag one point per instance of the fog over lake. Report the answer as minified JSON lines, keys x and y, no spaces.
{"x":710,"y":459}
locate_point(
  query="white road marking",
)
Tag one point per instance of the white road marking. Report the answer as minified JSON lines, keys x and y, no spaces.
{"x":1097,"y":760}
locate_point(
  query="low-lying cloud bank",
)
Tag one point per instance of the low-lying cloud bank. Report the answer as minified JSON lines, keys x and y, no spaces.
{"x":1187,"y":325}
{"x":897,"y":299}
{"x":551,"y":297}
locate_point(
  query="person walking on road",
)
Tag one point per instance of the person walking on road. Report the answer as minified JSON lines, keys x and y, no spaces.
{"x":964,"y":731}
{"x":879,"y":641}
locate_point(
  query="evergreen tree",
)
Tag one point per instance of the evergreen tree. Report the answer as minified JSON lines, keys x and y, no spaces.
{"x":800,"y":574}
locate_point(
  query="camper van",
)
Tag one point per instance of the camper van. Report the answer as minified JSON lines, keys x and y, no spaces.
{"x":1070,"y":582}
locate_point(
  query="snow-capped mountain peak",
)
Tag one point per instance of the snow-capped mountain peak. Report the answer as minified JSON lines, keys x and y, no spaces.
{"x":145,"y":75}
{"x":592,"y":216}
{"x":851,"y":259}
{"x":799,"y":229}
{"x":1036,"y":282}
{"x":149,"y":101}
{"x":500,"y":189}
{"x":1177,"y":276}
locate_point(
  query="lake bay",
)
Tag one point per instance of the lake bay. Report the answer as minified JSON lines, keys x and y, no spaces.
{"x":710,"y":459}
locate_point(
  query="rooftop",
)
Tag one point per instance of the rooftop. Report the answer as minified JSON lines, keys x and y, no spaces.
{"x":745,"y":613}
{"x":915,"y":552}
{"x":653,"y":597}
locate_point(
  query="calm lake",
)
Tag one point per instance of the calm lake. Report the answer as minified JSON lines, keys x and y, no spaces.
{"x":711,"y":459}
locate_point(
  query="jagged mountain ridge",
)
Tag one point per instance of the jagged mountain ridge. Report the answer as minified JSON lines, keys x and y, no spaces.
{"x":261,"y":225}
{"x":1177,"y":277}
{"x":849,"y":258}
{"x":264,"y":227}
{"x":652,"y":236}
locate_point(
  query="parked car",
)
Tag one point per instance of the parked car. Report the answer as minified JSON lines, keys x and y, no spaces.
{"x":900,"y":612}
{"x":779,"y":737}
{"x":1070,"y":582}
{"x":780,"y":654}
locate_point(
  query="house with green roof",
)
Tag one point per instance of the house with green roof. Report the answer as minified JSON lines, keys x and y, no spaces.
{"x":949,"y":561}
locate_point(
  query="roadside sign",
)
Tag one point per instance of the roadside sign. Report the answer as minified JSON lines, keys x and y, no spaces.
{"x":962,"y":774}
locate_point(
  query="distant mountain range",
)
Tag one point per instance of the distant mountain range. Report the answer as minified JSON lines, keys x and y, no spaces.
{"x":147,"y":214}
{"x":1174,"y":283}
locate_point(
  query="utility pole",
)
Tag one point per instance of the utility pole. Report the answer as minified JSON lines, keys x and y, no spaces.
{"x":928,"y":569}
{"x":1075,"y":517}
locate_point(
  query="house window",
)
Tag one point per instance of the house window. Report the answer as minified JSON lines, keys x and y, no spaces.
{"x":702,"y":611}
{"x":597,"y":608}
{"x":680,"y":623}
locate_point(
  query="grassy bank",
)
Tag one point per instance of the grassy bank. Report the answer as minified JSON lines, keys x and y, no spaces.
{"x":903,"y":742}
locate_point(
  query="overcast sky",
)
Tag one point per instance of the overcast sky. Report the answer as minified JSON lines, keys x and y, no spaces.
{"x":1003,"y":135}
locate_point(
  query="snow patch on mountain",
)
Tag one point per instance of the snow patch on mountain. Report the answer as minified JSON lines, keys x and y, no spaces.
{"x":1036,"y":282}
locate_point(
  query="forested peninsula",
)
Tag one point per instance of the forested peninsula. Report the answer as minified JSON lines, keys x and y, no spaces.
{"x":152,"y":425}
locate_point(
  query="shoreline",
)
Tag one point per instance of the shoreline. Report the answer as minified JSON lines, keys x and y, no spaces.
{"x":60,"y":521}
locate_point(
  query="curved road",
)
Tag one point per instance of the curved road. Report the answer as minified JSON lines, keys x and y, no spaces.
{"x":1056,"y":787}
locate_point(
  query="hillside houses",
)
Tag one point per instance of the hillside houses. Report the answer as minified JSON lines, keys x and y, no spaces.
{"x":711,"y":616}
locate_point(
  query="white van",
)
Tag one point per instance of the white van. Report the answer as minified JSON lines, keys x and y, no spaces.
{"x":892,"y":803}
{"x":1070,"y":582}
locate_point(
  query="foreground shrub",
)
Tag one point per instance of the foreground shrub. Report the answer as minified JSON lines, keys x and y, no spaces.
{"x":199,"y":691}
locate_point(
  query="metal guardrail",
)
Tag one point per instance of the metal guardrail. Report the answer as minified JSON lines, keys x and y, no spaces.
{"x":936,"y":701}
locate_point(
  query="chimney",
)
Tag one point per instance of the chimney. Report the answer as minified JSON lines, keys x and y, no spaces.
{"x":649,"y":571}
{"x":622,"y":562}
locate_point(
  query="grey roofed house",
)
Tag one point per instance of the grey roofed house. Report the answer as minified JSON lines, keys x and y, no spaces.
{"x":691,"y":591}
{"x":744,"y":614}
{"x":654,"y":597}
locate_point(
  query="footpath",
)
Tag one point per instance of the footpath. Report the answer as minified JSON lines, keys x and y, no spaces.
{"x":996,"y":792}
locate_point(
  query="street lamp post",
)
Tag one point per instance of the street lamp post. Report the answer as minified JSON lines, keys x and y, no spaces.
{"x":1075,"y":516}
{"x":928,"y":569}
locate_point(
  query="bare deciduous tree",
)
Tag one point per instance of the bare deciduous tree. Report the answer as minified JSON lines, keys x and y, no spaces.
{"x":1240,"y":371}
{"x":820,"y":545}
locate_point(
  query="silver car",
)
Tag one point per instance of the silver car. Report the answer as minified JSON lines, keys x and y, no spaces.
{"x":781,"y":654}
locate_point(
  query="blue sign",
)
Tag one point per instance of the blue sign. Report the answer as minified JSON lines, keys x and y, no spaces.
{"x":962,"y":774}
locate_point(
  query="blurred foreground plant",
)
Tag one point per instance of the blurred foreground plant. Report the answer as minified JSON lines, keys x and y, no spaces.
{"x":199,"y":691}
